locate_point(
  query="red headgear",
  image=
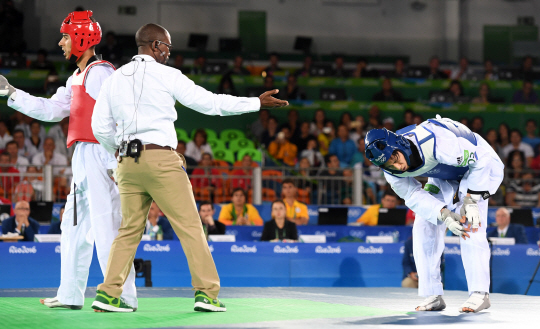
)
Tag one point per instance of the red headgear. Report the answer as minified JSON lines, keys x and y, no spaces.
{"x":83,"y":32}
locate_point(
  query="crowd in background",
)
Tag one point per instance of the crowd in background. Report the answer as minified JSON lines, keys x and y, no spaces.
{"x":25,"y":147}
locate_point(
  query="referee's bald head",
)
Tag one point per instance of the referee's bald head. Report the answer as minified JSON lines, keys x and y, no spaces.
{"x":150,"y":32}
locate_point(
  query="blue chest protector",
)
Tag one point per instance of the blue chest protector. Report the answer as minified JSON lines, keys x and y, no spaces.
{"x":427,"y":142}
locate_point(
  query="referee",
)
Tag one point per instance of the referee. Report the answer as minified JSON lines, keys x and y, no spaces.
{"x":134,"y":117}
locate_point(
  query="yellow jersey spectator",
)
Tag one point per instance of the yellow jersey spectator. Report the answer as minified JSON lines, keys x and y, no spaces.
{"x":238,"y":212}
{"x":296,"y":211}
{"x":371,"y":216}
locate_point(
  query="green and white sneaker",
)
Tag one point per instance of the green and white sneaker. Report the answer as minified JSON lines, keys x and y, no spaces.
{"x":204,"y":304}
{"x":107,"y":303}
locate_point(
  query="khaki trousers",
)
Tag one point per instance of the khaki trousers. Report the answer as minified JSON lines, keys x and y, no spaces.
{"x":159,"y":176}
{"x":409,"y":283}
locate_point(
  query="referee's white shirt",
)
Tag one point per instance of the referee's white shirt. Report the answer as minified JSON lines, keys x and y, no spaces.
{"x":137,"y":102}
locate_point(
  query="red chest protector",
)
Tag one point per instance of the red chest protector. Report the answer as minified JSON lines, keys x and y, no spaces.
{"x":82,"y":107}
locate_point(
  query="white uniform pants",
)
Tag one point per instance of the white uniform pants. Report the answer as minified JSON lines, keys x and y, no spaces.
{"x":98,"y":219}
{"x":428,"y":246}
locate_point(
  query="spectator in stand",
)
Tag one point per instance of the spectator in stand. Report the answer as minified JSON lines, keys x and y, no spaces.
{"x":245,"y":169}
{"x":319,"y":122}
{"x":274,"y":65}
{"x":357,"y":131}
{"x":158,"y":227}
{"x":36,"y":142}
{"x":19,"y":162}
{"x":434,"y":72}
{"x":477,"y":125}
{"x":526,"y":95}
{"x":361,"y":70}
{"x":492,"y":138}
{"x":21,"y":223}
{"x":258,"y":127}
{"x":303,"y":138}
{"x":292,"y":124}
{"x":42,"y":63}
{"x":199,"y":65}
{"x":342,"y":146}
{"x":346,"y":119}
{"x":418,"y":119}
{"x":327,"y":135}
{"x":483,"y":97}
{"x":456,"y":90}
{"x":388,"y":123}
{"x":198,"y":145}
{"x":410,"y":275}
{"x":408,"y":118}
{"x":5,"y":137}
{"x":464,"y":121}
{"x":339,"y":69}
{"x":374,"y":119}
{"x":238,"y":67}
{"x":269,"y":135}
{"x":37,"y":182}
{"x":504,"y":135}
{"x":371,"y":216}
{"x":282,"y":149}
{"x":210,"y":226}
{"x":59,"y":133}
{"x":489,"y":71}
{"x":527,"y":72}
{"x":268,"y":83}
{"x":292,"y":91}
{"x":5,"y":167}
{"x":532,"y":138}
{"x":55,"y":227}
{"x":305,"y":70}
{"x":279,"y":229}
{"x":226,"y":86}
{"x":111,"y":51}
{"x":238,"y":212}
{"x":199,"y":176}
{"x":387,"y":94}
{"x":190,"y":162}
{"x":297,"y":212}
{"x":304,"y":180}
{"x":358,"y":156}
{"x":535,"y":164}
{"x":312,"y":154}
{"x":507,"y":230}
{"x":399,"y":70}
{"x":24,"y":146}
{"x":463,"y":72}
{"x":517,"y":144}
{"x":328,"y":180}
{"x":179,"y":64}
{"x":524,"y":192}
{"x":516,"y":164}
{"x":49,"y":156}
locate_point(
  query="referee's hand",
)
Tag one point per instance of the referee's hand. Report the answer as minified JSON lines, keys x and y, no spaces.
{"x":267,"y":101}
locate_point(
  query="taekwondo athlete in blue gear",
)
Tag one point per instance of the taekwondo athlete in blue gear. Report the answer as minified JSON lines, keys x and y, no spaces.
{"x":463,"y":170}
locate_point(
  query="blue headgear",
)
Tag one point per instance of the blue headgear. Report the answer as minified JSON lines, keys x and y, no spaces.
{"x":381,"y":143}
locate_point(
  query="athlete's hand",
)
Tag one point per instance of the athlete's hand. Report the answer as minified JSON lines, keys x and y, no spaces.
{"x":5,"y":88}
{"x":453,"y":223}
{"x":268,"y":101}
{"x":471,"y":212}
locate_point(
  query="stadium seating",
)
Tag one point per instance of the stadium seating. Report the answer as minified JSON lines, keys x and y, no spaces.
{"x":225,"y":155}
{"x":216,"y":144}
{"x":228,"y":135}
{"x":240,"y":144}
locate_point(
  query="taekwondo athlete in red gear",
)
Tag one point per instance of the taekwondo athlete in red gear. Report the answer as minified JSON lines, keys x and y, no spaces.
{"x":92,"y":212}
